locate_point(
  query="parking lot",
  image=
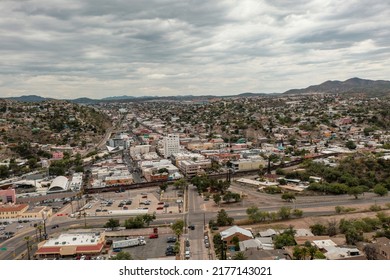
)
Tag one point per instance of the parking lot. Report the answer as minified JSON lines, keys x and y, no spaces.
{"x":132,"y":200}
{"x":154,"y":248}
{"x":9,"y":229}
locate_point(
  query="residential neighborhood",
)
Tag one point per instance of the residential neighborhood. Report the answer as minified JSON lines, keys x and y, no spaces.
{"x":283,"y":177}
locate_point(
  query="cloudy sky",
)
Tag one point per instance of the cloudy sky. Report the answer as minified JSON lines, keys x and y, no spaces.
{"x":100,"y":48}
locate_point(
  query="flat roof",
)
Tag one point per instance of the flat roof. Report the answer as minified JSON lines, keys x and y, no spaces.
{"x":76,"y":239}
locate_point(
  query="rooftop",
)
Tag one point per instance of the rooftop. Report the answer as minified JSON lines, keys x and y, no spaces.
{"x":77,"y":239}
{"x":16,"y":207}
{"x":235,"y":229}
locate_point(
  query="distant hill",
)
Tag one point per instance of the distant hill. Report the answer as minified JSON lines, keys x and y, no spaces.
{"x":123,"y":97}
{"x":84,"y":100}
{"x":354,"y":85}
{"x":250,"y":94}
{"x":29,"y":98}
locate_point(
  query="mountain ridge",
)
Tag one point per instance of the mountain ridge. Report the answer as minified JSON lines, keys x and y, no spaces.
{"x":352,"y":85}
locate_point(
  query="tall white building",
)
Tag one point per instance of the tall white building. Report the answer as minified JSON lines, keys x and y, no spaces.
{"x":171,"y":145}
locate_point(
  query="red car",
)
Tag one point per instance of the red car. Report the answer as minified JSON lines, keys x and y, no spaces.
{"x":160,"y":208}
{"x":153,"y":236}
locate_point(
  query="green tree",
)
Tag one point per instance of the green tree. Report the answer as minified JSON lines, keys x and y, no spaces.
{"x":356,"y":191}
{"x":284,"y":213}
{"x":164,"y":186}
{"x":177,"y":228}
{"x":223,"y":219}
{"x":28,"y":245}
{"x":112,"y":224}
{"x":236,"y":242}
{"x":181,"y":183}
{"x":135,"y":222}
{"x":380,"y":190}
{"x":217,"y":198}
{"x":240,"y":256}
{"x":352,"y":236}
{"x":162,"y":170}
{"x":147,"y":218}
{"x":318,"y":229}
{"x":285,"y":239}
{"x":288,"y":196}
{"x":122,"y":256}
{"x":298,"y":253}
{"x":297,"y":213}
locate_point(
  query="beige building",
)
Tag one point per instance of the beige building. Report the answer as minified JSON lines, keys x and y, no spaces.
{"x":12,"y":212}
{"x":37,"y":213}
{"x":200,"y":146}
{"x":72,"y":244}
{"x":21,"y":211}
{"x":245,"y":164}
{"x":191,"y":168}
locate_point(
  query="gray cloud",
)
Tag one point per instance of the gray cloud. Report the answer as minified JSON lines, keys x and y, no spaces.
{"x":101,"y":48}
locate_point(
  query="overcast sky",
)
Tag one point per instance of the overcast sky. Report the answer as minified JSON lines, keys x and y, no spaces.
{"x":100,"y":48}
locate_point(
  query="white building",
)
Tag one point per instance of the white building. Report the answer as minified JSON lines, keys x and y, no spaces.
{"x":76,"y":182}
{"x":140,"y":150}
{"x":59,"y":184}
{"x":171,"y":145}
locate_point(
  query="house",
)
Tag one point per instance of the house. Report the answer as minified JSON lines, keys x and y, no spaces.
{"x":332,"y":251}
{"x":268,"y":233}
{"x":242,"y":234}
{"x":382,"y":248}
{"x":259,"y":243}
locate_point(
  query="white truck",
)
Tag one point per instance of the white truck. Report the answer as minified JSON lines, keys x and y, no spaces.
{"x":128,"y":243}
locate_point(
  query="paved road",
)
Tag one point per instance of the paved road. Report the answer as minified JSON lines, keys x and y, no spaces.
{"x":196,"y":216}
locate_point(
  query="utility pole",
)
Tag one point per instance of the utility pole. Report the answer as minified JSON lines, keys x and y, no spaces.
{"x":44,"y":224}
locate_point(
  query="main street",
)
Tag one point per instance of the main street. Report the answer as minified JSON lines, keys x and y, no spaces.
{"x":196,"y":217}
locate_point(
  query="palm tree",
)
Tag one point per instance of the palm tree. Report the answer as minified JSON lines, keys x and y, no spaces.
{"x":27,"y":239}
{"x":40,"y":228}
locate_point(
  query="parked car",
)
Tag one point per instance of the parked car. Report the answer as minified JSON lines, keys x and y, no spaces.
{"x":192,"y":227}
{"x":170,"y":253}
{"x":153,"y":236}
{"x":187,"y":255}
{"x":171,"y":239}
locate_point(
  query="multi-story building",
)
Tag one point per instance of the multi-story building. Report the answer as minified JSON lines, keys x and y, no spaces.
{"x":12,"y":212}
{"x":7,"y":196}
{"x":76,"y":182}
{"x":191,"y":168}
{"x":171,"y":145}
